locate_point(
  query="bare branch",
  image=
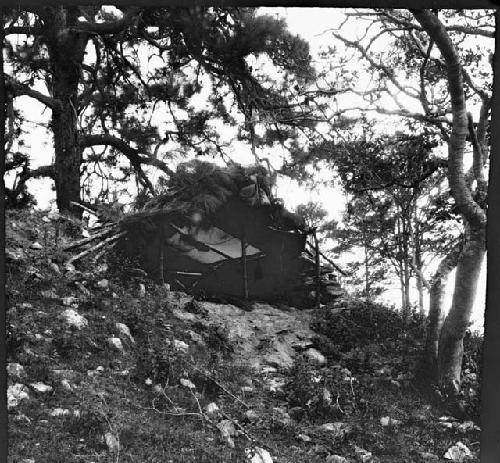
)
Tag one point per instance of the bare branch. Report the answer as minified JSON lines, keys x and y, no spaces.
{"x":21,"y":89}
{"x":389,"y":73}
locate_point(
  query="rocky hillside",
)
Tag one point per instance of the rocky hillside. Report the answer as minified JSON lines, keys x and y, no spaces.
{"x":106,"y":367}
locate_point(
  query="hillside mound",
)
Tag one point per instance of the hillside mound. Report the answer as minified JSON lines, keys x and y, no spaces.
{"x":106,"y":369}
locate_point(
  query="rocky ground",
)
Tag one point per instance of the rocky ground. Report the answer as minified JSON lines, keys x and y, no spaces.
{"x":110,"y":368}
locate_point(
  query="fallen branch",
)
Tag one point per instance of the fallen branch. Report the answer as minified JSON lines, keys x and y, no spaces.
{"x":85,"y":208}
{"x":98,"y":246}
{"x":81,"y":242}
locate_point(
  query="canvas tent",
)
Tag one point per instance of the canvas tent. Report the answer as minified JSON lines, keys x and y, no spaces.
{"x":219,"y":232}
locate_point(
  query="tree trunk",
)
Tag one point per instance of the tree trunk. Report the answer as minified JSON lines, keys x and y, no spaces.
{"x":66,"y":52}
{"x":437,"y":293}
{"x":367,"y":268}
{"x":451,"y":339}
{"x":406,"y":267}
{"x":418,"y":265}
{"x":450,"y":352}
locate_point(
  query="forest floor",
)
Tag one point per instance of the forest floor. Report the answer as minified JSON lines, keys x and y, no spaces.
{"x":108,"y":368}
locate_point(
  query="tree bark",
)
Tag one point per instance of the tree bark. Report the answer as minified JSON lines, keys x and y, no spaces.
{"x":418,"y":265}
{"x":450,"y":352}
{"x":437,"y":293}
{"x":66,"y":52}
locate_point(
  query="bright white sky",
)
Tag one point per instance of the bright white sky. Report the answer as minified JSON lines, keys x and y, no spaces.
{"x":311,"y":24}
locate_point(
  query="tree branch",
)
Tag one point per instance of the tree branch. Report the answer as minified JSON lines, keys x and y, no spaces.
{"x":19,"y":89}
{"x":25,"y":30}
{"x":114,"y":27}
{"x":456,"y":145}
{"x":131,"y":153}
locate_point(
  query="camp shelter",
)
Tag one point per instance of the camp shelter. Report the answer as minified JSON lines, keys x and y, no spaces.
{"x":219,"y":231}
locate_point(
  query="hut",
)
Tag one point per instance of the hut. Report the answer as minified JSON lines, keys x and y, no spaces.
{"x":219,"y":231}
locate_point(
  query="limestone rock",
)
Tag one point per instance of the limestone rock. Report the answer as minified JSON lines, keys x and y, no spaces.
{"x":363,"y":456}
{"x":55,"y":268}
{"x":458,"y":453}
{"x":187,"y":383}
{"x":336,"y":459}
{"x":124,"y":331}
{"x":468,"y":426}
{"x":258,"y":455}
{"x":15,"y":394}
{"x":228,"y":431}
{"x":252,"y":415}
{"x":66,"y":385}
{"x":49,"y":294}
{"x":338,"y":430}
{"x":15,"y":370}
{"x":15,"y":256}
{"x":315,"y":356}
{"x":212,"y":409}
{"x":141,"y":292}
{"x":74,"y":320}
{"x":69,"y":268}
{"x":180,"y":346}
{"x":115,"y":343}
{"x":58,"y":412}
{"x":195,"y":337}
{"x":41,"y":387}
{"x":386,"y":421}
{"x":68,"y":301}
{"x":428,"y":456}
{"x":112,"y":442}
{"x":103,"y":284}
{"x":184,"y":316}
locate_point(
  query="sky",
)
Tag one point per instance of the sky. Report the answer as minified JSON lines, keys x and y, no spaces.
{"x":310,"y":23}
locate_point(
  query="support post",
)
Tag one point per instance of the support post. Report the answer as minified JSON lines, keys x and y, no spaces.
{"x":244,"y":263}
{"x":162,"y":253}
{"x":318,"y":270}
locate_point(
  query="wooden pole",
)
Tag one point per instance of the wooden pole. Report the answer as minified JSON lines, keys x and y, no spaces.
{"x":244,"y":264}
{"x":318,"y":270}
{"x":162,"y":252}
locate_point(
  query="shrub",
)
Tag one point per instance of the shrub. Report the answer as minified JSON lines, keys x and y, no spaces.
{"x":367,"y":322}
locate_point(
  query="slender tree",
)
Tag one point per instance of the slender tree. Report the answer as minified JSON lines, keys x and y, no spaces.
{"x":431,"y":73}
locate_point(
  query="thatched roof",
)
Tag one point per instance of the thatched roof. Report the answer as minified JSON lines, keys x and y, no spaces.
{"x":201,"y":188}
